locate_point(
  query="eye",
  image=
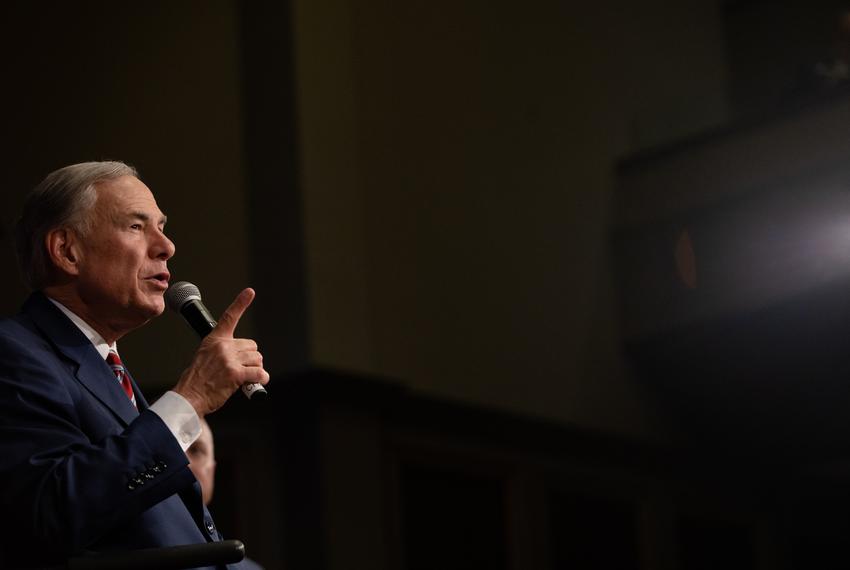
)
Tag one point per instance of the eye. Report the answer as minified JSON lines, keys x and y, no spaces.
{"x":136,"y":226}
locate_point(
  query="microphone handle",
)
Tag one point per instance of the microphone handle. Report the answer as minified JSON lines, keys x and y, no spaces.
{"x":199,"y":319}
{"x":203,"y":323}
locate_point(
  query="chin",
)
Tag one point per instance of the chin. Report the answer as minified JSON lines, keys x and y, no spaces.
{"x":158,"y":309}
{"x":153,"y":308}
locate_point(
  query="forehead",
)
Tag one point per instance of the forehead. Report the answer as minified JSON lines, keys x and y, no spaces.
{"x":126,"y":194}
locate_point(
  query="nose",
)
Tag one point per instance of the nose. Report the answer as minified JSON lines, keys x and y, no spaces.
{"x":162,"y":247}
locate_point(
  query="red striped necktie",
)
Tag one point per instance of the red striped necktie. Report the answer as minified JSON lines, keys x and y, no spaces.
{"x":117,"y":366}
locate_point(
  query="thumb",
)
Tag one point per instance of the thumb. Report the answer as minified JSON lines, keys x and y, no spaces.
{"x":231,"y":315}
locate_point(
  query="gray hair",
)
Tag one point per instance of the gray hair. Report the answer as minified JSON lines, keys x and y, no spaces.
{"x":63,"y":199}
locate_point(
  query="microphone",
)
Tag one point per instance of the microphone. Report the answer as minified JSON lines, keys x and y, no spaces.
{"x":185,"y":298}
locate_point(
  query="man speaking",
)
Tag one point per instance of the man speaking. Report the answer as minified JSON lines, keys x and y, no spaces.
{"x":86,"y":465}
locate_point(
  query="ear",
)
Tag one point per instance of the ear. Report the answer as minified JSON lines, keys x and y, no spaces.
{"x":63,"y":248}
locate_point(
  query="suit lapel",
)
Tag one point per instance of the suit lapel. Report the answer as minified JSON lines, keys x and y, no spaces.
{"x":92,"y":371}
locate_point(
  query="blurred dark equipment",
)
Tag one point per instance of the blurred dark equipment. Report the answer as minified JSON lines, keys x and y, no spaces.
{"x":733,"y":259}
{"x":732,"y":253}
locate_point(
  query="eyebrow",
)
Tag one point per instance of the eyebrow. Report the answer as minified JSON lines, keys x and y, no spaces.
{"x":146,"y":218}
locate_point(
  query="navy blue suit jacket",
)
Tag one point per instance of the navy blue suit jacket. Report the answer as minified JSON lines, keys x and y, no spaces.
{"x":80,"y":468}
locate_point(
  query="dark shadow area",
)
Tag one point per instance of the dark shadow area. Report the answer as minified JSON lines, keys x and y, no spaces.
{"x":593,"y":532}
{"x":451,"y":520}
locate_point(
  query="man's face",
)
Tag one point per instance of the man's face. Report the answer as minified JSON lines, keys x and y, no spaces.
{"x":202,"y":462}
{"x":122,"y":267}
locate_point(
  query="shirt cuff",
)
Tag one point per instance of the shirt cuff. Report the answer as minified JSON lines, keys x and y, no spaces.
{"x":180,"y":418}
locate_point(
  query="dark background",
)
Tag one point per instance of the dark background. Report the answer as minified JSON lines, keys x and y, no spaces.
{"x":541,"y":285}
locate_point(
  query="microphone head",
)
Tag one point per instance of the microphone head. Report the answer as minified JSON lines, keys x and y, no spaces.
{"x":181,"y":293}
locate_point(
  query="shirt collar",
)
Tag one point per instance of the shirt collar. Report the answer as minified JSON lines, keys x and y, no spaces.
{"x":94,"y":337}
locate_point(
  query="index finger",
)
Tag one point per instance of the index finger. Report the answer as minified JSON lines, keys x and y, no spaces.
{"x":231,"y":315}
